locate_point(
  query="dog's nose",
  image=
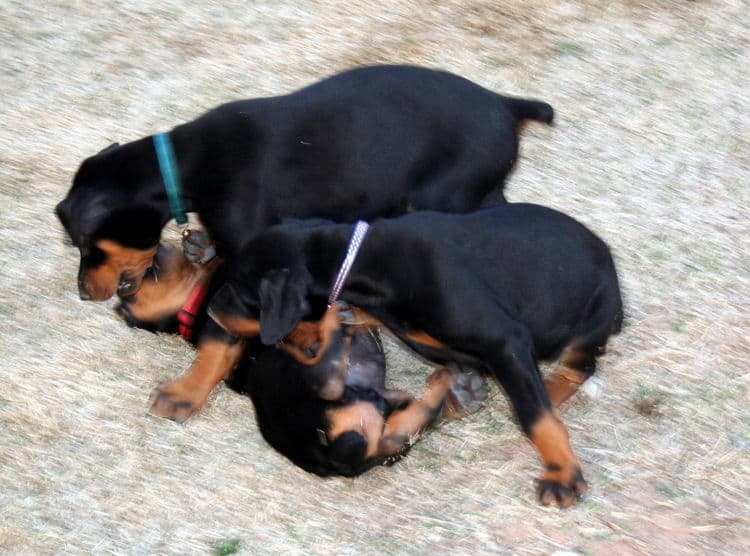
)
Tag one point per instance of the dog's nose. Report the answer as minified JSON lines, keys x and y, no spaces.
{"x":126,"y":287}
{"x":349,"y":448}
{"x":83,"y":294}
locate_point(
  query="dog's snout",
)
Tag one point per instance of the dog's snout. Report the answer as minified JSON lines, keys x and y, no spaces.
{"x":126,"y":288}
{"x":83,"y":292}
{"x":350,"y":448}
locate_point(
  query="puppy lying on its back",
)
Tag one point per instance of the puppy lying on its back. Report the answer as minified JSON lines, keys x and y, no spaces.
{"x":361,"y":426}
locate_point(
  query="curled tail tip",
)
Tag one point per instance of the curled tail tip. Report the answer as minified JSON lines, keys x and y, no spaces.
{"x":543,"y":112}
{"x":548,"y":115}
{"x":534,"y":110}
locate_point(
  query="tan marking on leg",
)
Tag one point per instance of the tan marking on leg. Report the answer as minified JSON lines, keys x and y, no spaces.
{"x":403,"y":427}
{"x":563,"y":383}
{"x":567,"y":376}
{"x":361,"y":417}
{"x":101,"y":283}
{"x":181,"y":398}
{"x":562,"y":476}
{"x":365,"y":320}
{"x":239,"y":326}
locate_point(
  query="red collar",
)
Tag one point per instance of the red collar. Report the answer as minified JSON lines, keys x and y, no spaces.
{"x":191,"y":308}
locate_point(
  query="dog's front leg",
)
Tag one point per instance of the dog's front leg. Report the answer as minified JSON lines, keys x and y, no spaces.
{"x":404,"y":426}
{"x":218,"y":355}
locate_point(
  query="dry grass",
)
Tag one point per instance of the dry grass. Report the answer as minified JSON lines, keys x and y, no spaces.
{"x":651,"y":150}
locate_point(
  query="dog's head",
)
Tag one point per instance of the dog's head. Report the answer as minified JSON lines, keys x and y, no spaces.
{"x":326,"y":437}
{"x":270,"y":305}
{"x":113,"y":225}
{"x":164,"y":291}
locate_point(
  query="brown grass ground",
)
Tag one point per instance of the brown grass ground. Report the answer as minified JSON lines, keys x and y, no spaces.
{"x":651,"y":150}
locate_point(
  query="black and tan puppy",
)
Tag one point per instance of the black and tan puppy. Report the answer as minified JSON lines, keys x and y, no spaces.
{"x":359,"y":424}
{"x":497,"y":289}
{"x":370,"y":142}
{"x":373,"y":141}
{"x":367,"y":425}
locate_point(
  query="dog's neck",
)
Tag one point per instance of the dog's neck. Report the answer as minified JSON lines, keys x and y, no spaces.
{"x":324,"y":249}
{"x":207,"y":169}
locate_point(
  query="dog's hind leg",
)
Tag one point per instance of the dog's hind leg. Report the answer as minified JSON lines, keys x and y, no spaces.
{"x":577,"y":363}
{"x":516,"y":369}
{"x":575,"y":366}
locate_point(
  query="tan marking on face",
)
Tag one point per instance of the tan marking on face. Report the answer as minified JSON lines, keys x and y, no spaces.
{"x":101,"y":282}
{"x":326,"y":327}
{"x":166,"y":292}
{"x":550,"y":437}
{"x":306,"y":335}
{"x":361,"y":417}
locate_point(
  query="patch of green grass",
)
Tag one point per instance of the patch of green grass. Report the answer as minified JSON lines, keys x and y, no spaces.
{"x":492,"y":426}
{"x":409,"y":42}
{"x":669,"y":490}
{"x":647,"y":400}
{"x":226,"y":547}
{"x":604,"y":479}
{"x":664,"y":41}
{"x":724,"y":52}
{"x":682,"y":321}
{"x":567,"y":48}
{"x":497,"y":61}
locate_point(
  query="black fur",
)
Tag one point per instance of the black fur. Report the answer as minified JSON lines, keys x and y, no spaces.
{"x":500,"y":288}
{"x":374,"y":141}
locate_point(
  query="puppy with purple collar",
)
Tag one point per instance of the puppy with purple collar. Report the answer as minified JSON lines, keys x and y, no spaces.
{"x":334,"y":417}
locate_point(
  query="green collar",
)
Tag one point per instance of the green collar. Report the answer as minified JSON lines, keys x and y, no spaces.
{"x":170,"y":173}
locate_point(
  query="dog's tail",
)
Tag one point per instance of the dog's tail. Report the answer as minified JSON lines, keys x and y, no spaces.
{"x":527,"y":109}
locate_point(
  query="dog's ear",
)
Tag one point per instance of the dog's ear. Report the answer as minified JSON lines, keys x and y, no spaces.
{"x":137,"y":227}
{"x":105,"y":150}
{"x":62,"y":210}
{"x":283,"y":302}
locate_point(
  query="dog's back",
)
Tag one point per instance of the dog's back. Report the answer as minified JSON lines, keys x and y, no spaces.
{"x":543,"y":268}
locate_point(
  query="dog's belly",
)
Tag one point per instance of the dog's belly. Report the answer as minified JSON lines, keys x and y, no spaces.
{"x":366,"y":362}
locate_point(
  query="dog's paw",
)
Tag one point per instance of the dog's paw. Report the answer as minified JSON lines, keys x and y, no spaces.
{"x":173,"y":401}
{"x":442,"y":377}
{"x":197,"y":246}
{"x":467,"y":394}
{"x":561,"y":487}
{"x":397,"y":444}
